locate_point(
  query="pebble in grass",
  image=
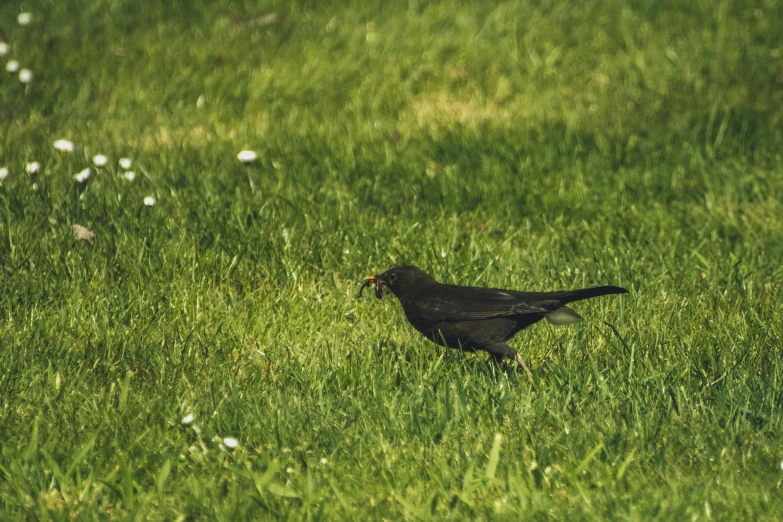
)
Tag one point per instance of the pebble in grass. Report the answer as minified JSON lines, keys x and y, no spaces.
{"x":82,"y":176}
{"x":83,"y":233}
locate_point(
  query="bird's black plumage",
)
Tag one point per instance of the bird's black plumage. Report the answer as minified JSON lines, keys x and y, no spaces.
{"x":473,"y":318}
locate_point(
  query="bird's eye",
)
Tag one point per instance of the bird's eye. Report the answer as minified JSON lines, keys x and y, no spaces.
{"x":393,"y":277}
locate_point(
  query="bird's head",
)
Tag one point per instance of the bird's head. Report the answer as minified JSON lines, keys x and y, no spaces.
{"x":401,"y":280}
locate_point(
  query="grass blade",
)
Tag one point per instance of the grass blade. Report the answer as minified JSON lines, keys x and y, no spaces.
{"x":586,"y":461}
{"x":494,"y":457}
{"x":163,"y":476}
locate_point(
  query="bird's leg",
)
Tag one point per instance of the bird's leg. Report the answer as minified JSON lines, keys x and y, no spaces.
{"x":520,"y":362}
{"x":501,"y":350}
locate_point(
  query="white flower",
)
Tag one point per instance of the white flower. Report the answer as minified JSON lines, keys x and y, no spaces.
{"x":32,"y":167}
{"x":25,"y":76}
{"x":130,"y":175}
{"x":323,"y":461}
{"x":247,"y":156}
{"x":100,"y":160}
{"x":82,"y":176}
{"x":230,"y":442}
{"x":3,"y":173}
{"x":24,"y":18}
{"x":3,"y":48}
{"x":12,"y":66}
{"x":200,"y":102}
{"x":63,"y":145}
{"x":126,"y":163}
{"x":188,"y":419}
{"x":442,"y":253}
{"x":149,"y":201}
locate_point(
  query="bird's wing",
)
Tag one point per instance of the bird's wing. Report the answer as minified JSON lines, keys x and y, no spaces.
{"x":458,"y":303}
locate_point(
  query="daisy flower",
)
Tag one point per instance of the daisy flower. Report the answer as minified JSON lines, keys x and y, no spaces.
{"x":247,"y":156}
{"x":63,"y":145}
{"x":82,"y":176}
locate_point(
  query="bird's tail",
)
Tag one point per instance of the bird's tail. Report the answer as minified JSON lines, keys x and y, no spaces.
{"x":569,"y":296}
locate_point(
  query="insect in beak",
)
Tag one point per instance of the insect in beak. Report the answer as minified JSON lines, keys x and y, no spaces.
{"x":369,"y":280}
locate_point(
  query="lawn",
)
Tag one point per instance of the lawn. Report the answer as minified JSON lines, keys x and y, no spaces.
{"x":205,"y":356}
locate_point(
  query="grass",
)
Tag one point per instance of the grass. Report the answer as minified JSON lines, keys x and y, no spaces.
{"x":525,"y":145}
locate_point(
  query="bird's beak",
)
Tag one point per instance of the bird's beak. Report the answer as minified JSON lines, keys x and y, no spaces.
{"x":376,"y":280}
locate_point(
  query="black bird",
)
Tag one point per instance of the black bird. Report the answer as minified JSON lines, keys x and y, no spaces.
{"x":472,"y":318}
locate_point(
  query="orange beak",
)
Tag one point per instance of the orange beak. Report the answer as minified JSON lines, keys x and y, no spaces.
{"x":373,"y":280}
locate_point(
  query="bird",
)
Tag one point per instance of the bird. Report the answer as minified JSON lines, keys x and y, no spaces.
{"x":475,"y":318}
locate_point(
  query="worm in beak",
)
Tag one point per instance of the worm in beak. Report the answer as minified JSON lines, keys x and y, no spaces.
{"x":369,"y":280}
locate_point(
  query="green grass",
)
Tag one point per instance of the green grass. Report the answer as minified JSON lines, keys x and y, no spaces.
{"x":528,"y":145}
